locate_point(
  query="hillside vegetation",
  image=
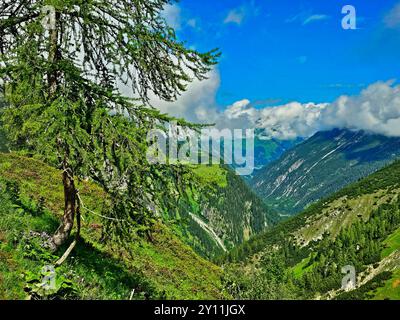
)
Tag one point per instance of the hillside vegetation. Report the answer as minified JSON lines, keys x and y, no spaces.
{"x":31,"y":202}
{"x":229,"y":211}
{"x":303,"y":256}
{"x":227,"y":208}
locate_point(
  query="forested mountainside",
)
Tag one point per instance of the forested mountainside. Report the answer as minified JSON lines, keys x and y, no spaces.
{"x":222,"y":213}
{"x":302,"y":257}
{"x":321,"y":165}
{"x":31,"y":202}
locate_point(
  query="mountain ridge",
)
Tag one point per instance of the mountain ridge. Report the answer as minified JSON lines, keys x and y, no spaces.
{"x":321,"y":165}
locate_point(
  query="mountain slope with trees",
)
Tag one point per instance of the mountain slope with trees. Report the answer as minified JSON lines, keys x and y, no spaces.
{"x":302,"y":257}
{"x":63,"y":102}
{"x":98,"y":268}
{"x":228,"y":208}
{"x":322,"y":165}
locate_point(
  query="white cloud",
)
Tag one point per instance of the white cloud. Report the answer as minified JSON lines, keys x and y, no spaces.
{"x":376,"y":109}
{"x":197,"y":103}
{"x":315,"y":17}
{"x":235,"y":16}
{"x":172,"y":14}
{"x":392,"y":19}
{"x":282,"y":122}
{"x":174,"y":17}
{"x":238,"y":15}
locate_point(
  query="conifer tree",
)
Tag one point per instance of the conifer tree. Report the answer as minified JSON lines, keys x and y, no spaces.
{"x":62,"y":63}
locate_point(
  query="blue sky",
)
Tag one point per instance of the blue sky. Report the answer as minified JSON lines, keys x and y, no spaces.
{"x":274,"y":52}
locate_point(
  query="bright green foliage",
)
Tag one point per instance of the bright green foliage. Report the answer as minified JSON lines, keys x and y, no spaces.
{"x":163,"y":268}
{"x":61,"y":87}
{"x":390,"y":290}
{"x":392,"y":243}
{"x":212,"y":174}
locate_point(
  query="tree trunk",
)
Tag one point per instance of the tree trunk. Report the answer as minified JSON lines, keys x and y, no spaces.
{"x":70,"y":193}
{"x":67,"y":223}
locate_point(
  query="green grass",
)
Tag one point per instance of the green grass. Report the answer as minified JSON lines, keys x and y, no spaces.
{"x":302,"y":267}
{"x":95,"y":274}
{"x":391,"y":289}
{"x":212,"y":174}
{"x":163,"y":268}
{"x":392,"y":243}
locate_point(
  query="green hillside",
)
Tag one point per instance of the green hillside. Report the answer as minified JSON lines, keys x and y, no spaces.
{"x":303,"y":256}
{"x":31,"y":201}
{"x":222,"y":201}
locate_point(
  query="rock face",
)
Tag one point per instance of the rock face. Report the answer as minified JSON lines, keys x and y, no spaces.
{"x":321,"y":165}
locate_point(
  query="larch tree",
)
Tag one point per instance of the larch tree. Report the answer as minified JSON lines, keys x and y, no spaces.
{"x":62,"y":63}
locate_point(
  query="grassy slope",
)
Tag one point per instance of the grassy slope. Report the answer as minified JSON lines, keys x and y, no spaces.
{"x":302,"y":267}
{"x":391,"y":288}
{"x":334,"y":213}
{"x":392,"y":243}
{"x":165,"y":268}
{"x":213,"y":174}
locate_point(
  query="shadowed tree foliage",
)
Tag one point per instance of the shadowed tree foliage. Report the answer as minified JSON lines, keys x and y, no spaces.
{"x":61,"y":64}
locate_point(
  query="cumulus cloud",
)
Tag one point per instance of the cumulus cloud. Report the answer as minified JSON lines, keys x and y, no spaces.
{"x":392,"y":19}
{"x":197,"y":103}
{"x":376,"y":109}
{"x":283,"y":122}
